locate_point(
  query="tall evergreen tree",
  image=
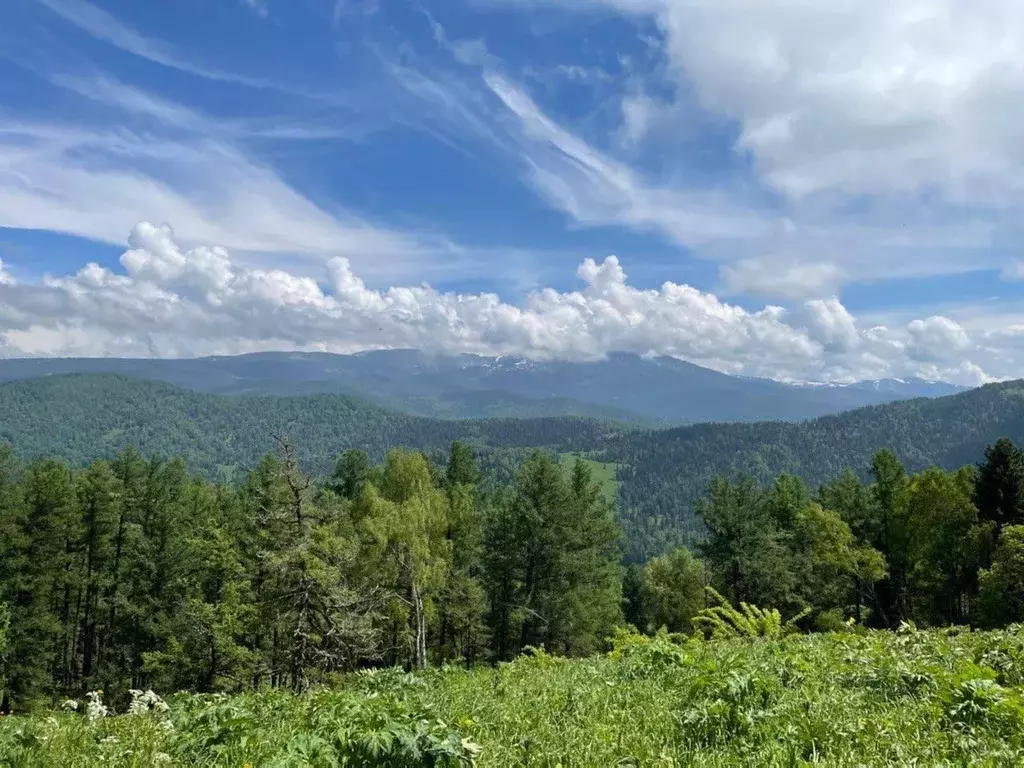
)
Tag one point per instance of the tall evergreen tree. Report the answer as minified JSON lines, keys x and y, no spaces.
{"x":999,"y":489}
{"x":891,"y":536}
{"x":462,"y":604}
{"x":552,"y":558}
{"x":1002,"y":585}
{"x":745,"y":551}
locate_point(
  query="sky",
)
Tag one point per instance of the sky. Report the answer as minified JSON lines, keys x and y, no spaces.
{"x":812,"y":190}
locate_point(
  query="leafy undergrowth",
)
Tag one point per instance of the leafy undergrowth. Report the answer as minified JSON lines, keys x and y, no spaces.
{"x":948,"y":697}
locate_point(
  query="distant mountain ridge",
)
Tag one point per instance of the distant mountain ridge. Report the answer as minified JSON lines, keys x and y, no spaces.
{"x":624,"y":387}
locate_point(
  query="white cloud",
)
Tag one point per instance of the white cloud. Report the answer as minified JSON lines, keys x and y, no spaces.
{"x":877,"y":97}
{"x":782,"y":278}
{"x":1014,"y":270}
{"x":101,"y":25}
{"x":169,"y":301}
{"x":96,"y":184}
{"x":832,"y":325}
{"x":937,"y":339}
{"x":598,"y":190}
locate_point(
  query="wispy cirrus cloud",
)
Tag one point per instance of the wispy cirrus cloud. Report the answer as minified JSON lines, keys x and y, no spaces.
{"x":101,"y":25}
{"x":91,"y":182}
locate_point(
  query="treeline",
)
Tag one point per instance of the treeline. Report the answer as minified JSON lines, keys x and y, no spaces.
{"x":934,"y":548}
{"x":665,"y":473}
{"x":135,"y":573}
{"x":662,"y":474}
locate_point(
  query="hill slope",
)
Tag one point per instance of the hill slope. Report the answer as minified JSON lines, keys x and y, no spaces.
{"x":660,"y":472}
{"x":88,"y":416}
{"x":625,"y":387}
{"x":664,"y":472}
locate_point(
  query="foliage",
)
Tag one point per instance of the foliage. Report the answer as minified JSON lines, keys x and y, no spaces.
{"x":999,"y":492}
{"x":87,"y":417}
{"x":723,"y":621}
{"x":674,"y":591}
{"x":878,"y":698}
{"x":664,"y":473}
{"x":134,"y":574}
{"x":552,"y":561}
{"x":661,"y":474}
{"x":1002,"y":585}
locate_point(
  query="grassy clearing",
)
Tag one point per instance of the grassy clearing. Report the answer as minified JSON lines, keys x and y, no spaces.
{"x":925,"y":698}
{"x":603,"y":472}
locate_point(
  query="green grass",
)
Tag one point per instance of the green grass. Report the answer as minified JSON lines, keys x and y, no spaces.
{"x":603,"y":472}
{"x":924,"y":698}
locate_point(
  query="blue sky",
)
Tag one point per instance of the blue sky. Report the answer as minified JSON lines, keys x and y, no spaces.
{"x":803,"y":190}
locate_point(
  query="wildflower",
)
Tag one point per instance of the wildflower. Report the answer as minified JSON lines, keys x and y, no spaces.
{"x":145,"y":702}
{"x":94,"y":709}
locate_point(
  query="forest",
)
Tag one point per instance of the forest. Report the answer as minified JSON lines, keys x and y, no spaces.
{"x":660,"y":474}
{"x":431,"y":609}
{"x":137,"y":574}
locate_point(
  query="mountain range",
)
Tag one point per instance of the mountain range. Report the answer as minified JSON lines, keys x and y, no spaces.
{"x":623,"y":387}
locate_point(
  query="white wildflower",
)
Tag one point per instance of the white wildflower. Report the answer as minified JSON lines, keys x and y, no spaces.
{"x":94,"y":709}
{"x":145,"y":702}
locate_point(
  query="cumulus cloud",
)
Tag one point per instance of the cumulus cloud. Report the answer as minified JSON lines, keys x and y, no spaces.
{"x":937,"y":339}
{"x":871,"y":97}
{"x":171,"y":301}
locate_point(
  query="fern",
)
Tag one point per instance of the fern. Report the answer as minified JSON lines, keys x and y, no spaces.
{"x":724,"y":621}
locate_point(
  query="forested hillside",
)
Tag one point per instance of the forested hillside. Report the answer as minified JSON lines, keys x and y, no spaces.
{"x":661,"y":472}
{"x":84,"y":417}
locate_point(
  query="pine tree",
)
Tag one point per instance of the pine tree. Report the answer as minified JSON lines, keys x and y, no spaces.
{"x":999,"y":489}
{"x":99,"y":499}
{"x":744,"y":550}
{"x":461,"y":603}
{"x":552,"y":557}
{"x":891,"y":536}
{"x":1002,"y":585}
{"x":593,"y":574}
{"x":311,"y":619}
{"x":351,"y":474}
{"x":13,"y":563}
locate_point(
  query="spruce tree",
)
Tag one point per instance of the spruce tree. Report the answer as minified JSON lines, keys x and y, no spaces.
{"x":999,"y":488}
